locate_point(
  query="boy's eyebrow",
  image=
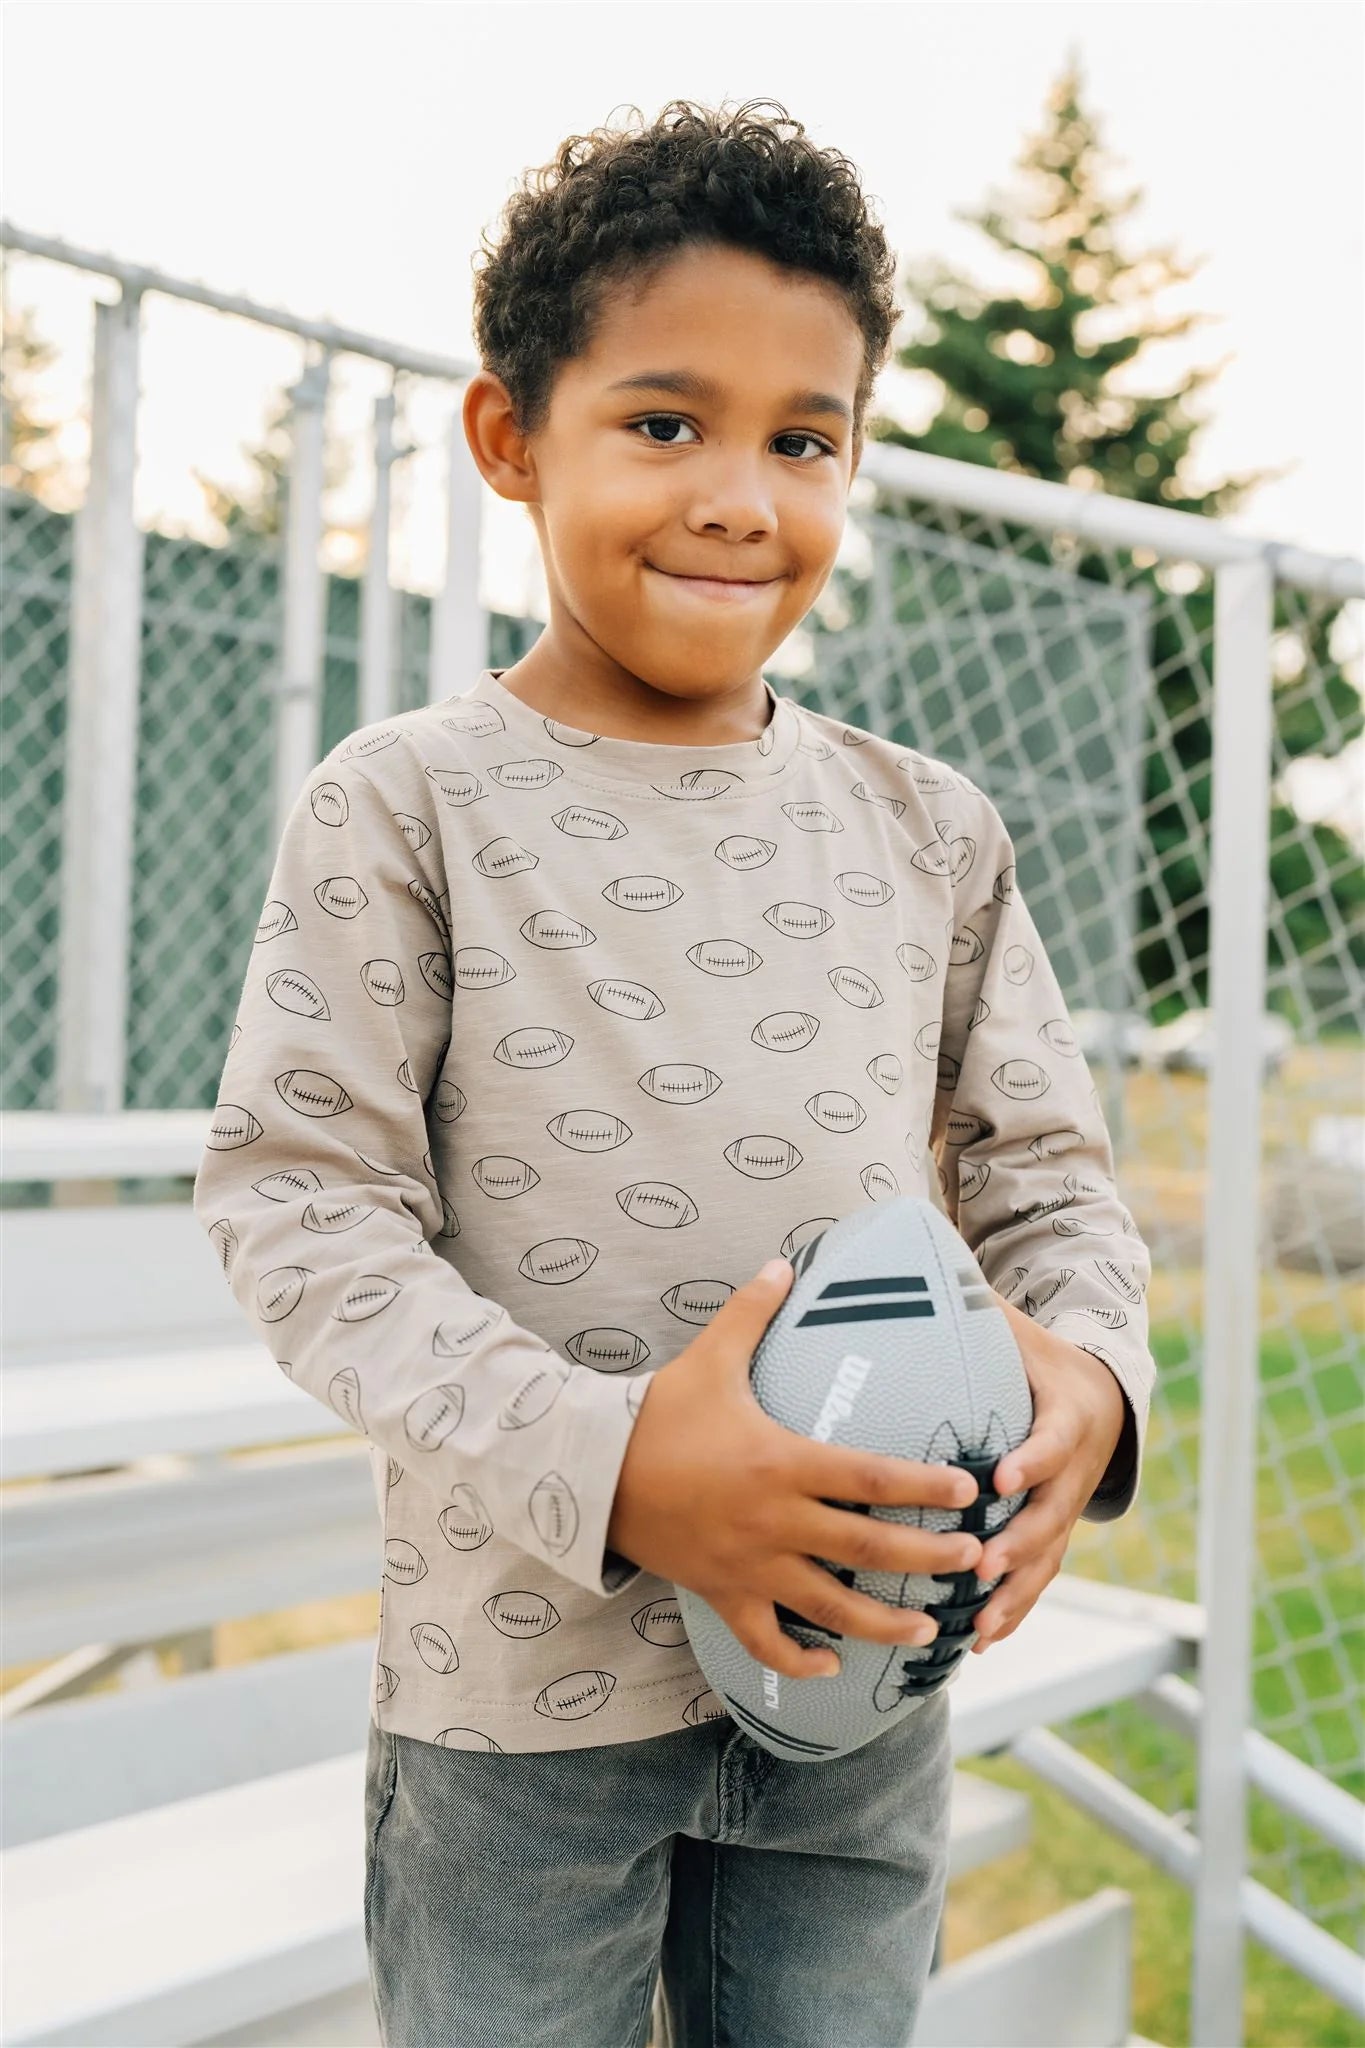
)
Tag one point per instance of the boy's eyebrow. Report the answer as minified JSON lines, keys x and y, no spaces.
{"x":688,"y":384}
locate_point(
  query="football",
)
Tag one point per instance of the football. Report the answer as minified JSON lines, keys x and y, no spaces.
{"x":521,"y":1614}
{"x":889,"y":1339}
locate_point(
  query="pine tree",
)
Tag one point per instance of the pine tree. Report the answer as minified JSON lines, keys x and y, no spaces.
{"x":33,"y":461}
{"x":1038,"y":381}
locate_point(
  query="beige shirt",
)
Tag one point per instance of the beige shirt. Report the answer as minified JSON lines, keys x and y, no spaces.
{"x":547,"y":1041}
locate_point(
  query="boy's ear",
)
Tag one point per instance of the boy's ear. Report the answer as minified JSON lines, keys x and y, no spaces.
{"x":500,"y":451}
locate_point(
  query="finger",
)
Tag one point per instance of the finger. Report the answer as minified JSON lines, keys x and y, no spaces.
{"x":843,"y":1472}
{"x":826,"y":1602}
{"x":754,"y":1623}
{"x":873,"y":1543}
{"x":1044,"y":1522}
{"x":1012,"y":1600}
{"x":1044,"y":1452}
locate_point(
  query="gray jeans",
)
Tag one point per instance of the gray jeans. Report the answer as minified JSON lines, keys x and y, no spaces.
{"x":530,"y":1900}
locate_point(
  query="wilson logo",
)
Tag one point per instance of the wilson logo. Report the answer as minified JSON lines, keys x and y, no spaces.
{"x":838,"y":1403}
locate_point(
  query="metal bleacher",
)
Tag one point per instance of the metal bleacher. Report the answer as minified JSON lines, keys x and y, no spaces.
{"x":183,"y":1856}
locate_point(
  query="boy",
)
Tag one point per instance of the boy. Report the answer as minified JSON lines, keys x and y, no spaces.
{"x":577,"y":994}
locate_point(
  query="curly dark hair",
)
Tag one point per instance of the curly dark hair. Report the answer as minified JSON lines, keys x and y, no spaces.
{"x":619,"y":202}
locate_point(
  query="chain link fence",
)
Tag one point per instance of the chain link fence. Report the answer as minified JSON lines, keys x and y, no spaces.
{"x":1074,"y":682}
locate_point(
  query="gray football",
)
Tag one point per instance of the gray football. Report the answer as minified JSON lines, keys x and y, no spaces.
{"x":891,"y":1340}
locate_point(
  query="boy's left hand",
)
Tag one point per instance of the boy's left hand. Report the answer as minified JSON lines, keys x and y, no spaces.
{"x":1078,"y":1417}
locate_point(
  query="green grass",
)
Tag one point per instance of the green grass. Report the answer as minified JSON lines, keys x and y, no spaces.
{"x":1310,"y":1658}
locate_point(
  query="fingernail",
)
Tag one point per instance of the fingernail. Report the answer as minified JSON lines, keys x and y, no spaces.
{"x":776,"y":1269}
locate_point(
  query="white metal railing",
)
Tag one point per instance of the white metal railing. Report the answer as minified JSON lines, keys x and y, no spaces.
{"x":919,"y":516}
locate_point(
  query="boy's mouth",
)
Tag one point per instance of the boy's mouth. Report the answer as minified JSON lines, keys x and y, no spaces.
{"x":716,"y":588}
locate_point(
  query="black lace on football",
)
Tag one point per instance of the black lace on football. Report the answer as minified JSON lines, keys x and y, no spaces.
{"x":956,"y":1614}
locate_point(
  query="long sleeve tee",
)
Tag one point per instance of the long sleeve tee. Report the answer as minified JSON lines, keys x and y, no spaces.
{"x":547,"y":1041}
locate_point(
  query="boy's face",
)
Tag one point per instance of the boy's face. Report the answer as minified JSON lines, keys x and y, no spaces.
{"x":634,"y":490}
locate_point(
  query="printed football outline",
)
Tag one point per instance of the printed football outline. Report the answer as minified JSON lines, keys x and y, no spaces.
{"x":663,"y":892}
{"x":1021,"y":1080}
{"x":522,"y":1615}
{"x":458,"y":786}
{"x":465,"y":1523}
{"x":536,"y":1395}
{"x":767,"y":1163}
{"x":535,"y":772}
{"x":480,"y":967}
{"x":502,"y":1178}
{"x":855,"y":987}
{"x":603,"y":1133}
{"x":336,"y":1214}
{"x":343,"y":1391}
{"x":581,"y":821}
{"x":796,"y":920}
{"x":434,"y":1416}
{"x":533,"y":1046}
{"x":553,"y":1509}
{"x":741,"y":851}
{"x":311,"y":1093}
{"x":308,"y":999}
{"x":811,"y":815}
{"x":501,"y":857}
{"x":681,"y":1082}
{"x":279,"y":1292}
{"x":660,"y":1622}
{"x":887,"y":1070}
{"x":435,"y":1647}
{"x":696,"y":1301}
{"x":341,"y":896}
{"x":576,"y":1695}
{"x":631,"y":999}
{"x":797,"y":1027}
{"x":728,"y":958}
{"x":367,"y":1295}
{"x":404,"y":1563}
{"x":869,"y":891}
{"x":834,"y":1109}
{"x":555,"y":931}
{"x":382,"y":981}
{"x":231,"y":1127}
{"x":276,"y":919}
{"x":658,"y":1204}
{"x":556,"y":1261}
{"x":607,"y":1349}
{"x":330,"y":804}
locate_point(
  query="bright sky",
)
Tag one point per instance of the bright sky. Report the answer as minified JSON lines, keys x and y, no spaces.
{"x":341,"y":159}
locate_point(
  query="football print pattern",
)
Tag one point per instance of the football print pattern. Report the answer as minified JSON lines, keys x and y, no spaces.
{"x":547,"y":1041}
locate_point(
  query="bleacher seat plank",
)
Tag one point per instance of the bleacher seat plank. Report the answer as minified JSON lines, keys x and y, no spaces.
{"x":1065,"y":1982}
{"x":99,"y":1280}
{"x":1061,"y":1661}
{"x":71,"y":1415}
{"x":44,"y":1144}
{"x":125,"y":1559}
{"x":79,"y":1762}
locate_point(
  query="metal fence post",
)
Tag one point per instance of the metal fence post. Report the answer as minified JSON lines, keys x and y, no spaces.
{"x":101,"y":734}
{"x":459,"y":630}
{"x":1230,"y":1402}
{"x":298,"y":709}
{"x":377,"y":693}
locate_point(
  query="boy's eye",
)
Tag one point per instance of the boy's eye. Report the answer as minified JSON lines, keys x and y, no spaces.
{"x":672,"y":419}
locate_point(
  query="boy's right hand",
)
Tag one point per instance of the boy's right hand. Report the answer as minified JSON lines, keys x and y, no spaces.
{"x":716,"y":1496}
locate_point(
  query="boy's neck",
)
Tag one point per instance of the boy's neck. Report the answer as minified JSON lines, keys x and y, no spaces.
{"x":626,"y":708}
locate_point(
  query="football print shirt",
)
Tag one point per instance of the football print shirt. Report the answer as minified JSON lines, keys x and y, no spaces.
{"x":548,"y":1040}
